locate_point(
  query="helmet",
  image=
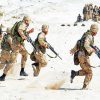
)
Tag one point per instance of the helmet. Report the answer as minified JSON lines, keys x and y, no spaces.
{"x":26,"y":18}
{"x":8,"y":30}
{"x":94,"y":26}
{"x":44,"y":26}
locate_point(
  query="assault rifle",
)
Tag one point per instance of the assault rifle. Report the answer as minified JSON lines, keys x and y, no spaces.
{"x":49,"y":46}
{"x":52,"y":49}
{"x":97,"y":50}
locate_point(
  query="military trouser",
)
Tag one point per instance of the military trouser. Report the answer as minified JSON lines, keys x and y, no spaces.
{"x":86,"y":17}
{"x":41,"y":60}
{"x":86,"y":67}
{"x":90,"y":14}
{"x":17,"y":50}
{"x":6,"y":61}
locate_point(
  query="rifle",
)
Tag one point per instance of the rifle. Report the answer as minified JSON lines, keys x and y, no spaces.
{"x":49,"y":46}
{"x":52,"y":49}
{"x":31,"y":41}
{"x":97,"y":51}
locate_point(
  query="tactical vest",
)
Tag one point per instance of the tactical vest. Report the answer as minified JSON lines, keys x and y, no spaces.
{"x":38,"y":46}
{"x":15,"y":33}
{"x":80,"y":43}
{"x":4,"y":44}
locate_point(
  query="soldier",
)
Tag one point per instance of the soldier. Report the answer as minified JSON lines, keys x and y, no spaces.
{"x":84,"y":50}
{"x":38,"y":55}
{"x":85,"y":13}
{"x":19,"y":34}
{"x":79,"y":18}
{"x":90,"y":13}
{"x":6,"y":46}
{"x":95,"y":13}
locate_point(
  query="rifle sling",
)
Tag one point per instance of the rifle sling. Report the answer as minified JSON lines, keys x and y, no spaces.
{"x":52,"y":56}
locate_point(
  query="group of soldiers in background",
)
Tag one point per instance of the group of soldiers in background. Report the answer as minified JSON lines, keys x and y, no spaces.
{"x":12,"y":43}
{"x":90,"y":12}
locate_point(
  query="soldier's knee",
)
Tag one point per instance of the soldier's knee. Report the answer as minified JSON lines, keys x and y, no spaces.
{"x":24,"y":57}
{"x":43,"y":64}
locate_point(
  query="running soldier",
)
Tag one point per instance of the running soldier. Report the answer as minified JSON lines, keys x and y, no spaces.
{"x":82,"y":51}
{"x":38,"y":55}
{"x":19,"y":34}
{"x":6,"y":54}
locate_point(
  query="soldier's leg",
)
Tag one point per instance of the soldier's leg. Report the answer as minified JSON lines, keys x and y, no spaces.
{"x":42,"y":62}
{"x":3,"y":60}
{"x":80,"y":72}
{"x":2,"y":64}
{"x":8,"y":67}
{"x":23,"y":62}
{"x":13,"y":60}
{"x":36,"y":68}
{"x":86,"y":70}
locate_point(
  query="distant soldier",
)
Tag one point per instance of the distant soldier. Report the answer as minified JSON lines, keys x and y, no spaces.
{"x":6,"y":54}
{"x":82,"y":51}
{"x":85,"y":13}
{"x":79,"y":18}
{"x":90,"y":12}
{"x":19,"y":34}
{"x":39,"y":54}
{"x":95,"y":13}
{"x":99,"y":14}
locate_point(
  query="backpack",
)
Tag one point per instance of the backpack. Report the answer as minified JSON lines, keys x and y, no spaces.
{"x":80,"y":43}
{"x":80,"y":47}
{"x":4,"y":44}
{"x":14,"y":29}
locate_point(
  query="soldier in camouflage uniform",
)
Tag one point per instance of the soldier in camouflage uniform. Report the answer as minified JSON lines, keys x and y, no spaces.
{"x":0,"y":34}
{"x":38,"y":55}
{"x":85,"y":13}
{"x":84,"y":51}
{"x":19,"y":34}
{"x":6,"y":54}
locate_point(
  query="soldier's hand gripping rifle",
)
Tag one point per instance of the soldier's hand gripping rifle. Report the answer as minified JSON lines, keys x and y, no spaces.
{"x":97,"y":50}
{"x":52,"y":49}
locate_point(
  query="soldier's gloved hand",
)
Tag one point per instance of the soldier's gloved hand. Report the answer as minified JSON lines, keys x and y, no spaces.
{"x":22,"y":47}
{"x":45,"y":45}
{"x":31,"y":31}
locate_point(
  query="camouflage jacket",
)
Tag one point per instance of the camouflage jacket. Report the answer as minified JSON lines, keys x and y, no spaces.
{"x":6,"y":42}
{"x":19,"y":26}
{"x":40,"y":40}
{"x":85,"y":43}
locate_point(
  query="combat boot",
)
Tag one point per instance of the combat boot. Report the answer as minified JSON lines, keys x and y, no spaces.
{"x":84,"y":87}
{"x":73,"y":74}
{"x":36,"y":69}
{"x":23,"y":73}
{"x":2,"y":78}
